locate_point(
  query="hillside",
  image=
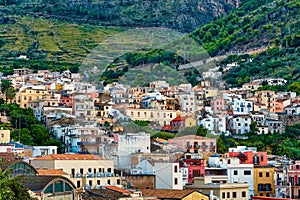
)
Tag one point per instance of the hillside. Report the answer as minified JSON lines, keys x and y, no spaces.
{"x":47,"y":43}
{"x":256,"y":24}
{"x":181,"y":15}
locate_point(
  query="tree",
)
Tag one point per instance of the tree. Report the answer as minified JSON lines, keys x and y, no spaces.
{"x":39,"y":134}
{"x":201,"y":131}
{"x":221,"y":147}
{"x":5,"y":84}
{"x":12,"y":188}
{"x":10,"y":94}
{"x":54,"y":142}
{"x":294,"y":87}
{"x":23,"y":135}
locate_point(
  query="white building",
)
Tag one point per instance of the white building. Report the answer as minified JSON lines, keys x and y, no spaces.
{"x":187,"y":102}
{"x":144,"y":167}
{"x":168,"y":176}
{"x":215,"y":124}
{"x":39,"y":151}
{"x":241,"y":106}
{"x":236,"y":172}
{"x":131,"y":143}
{"x":240,"y":124}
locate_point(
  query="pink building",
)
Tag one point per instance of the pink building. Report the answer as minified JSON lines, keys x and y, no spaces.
{"x":294,"y":180}
{"x":217,"y":105}
{"x":195,"y":144}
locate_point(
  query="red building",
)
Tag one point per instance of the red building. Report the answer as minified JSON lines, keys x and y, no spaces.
{"x":249,"y":156}
{"x":195,"y":166}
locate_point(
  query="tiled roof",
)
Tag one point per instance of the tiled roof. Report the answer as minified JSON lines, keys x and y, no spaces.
{"x":45,"y":172}
{"x":70,"y":157}
{"x":167,"y":194}
{"x":101,"y":194}
{"x":118,"y":189}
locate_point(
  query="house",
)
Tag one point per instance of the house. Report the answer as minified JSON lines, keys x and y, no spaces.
{"x":240,"y":124}
{"x":130,"y":143}
{"x":187,"y":102}
{"x":183,"y":122}
{"x":267,"y":98}
{"x":293,"y":179}
{"x":194,"y":143}
{"x":191,"y":166}
{"x":145,"y":167}
{"x":39,"y":151}
{"x":241,"y":106}
{"x":236,"y":172}
{"x":274,"y":126}
{"x":85,"y":170}
{"x":168,"y":176}
{"x":162,"y":194}
{"x":4,"y":136}
{"x":264,"y":181}
{"x":222,"y":191}
{"x":162,"y":117}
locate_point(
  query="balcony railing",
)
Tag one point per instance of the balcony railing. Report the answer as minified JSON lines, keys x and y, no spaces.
{"x":264,"y":189}
{"x":94,"y":175}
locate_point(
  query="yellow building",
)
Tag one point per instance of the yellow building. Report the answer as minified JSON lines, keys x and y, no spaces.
{"x":85,"y":170}
{"x":4,"y":136}
{"x":24,"y":97}
{"x":225,"y":191}
{"x":264,"y":181}
{"x":190,"y":122}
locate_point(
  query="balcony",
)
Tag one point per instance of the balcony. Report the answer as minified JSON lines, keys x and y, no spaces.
{"x":265,"y":189}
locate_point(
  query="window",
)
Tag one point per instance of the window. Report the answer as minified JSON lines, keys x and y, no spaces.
{"x":81,"y":170}
{"x":223,"y":195}
{"x":78,"y":184}
{"x":267,"y":174}
{"x":68,"y":187}
{"x":247,"y":172}
{"x":260,"y":174}
{"x":228,"y":194}
{"x":108,"y":182}
{"x":175,"y":181}
{"x":235,"y":172}
{"x":98,"y":182}
{"x":234,"y":195}
{"x":118,"y":182}
{"x":175,"y":169}
{"x":49,"y":189}
{"x":243,"y":194}
{"x":2,"y":135}
{"x":90,"y":183}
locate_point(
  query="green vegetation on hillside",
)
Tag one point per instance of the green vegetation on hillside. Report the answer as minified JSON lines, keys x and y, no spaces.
{"x":277,"y":144}
{"x":179,"y":15}
{"x":48,"y":44}
{"x":274,"y":25}
{"x":26,"y":128}
{"x":254,"y":24}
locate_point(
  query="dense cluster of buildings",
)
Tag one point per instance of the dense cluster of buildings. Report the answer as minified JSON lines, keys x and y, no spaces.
{"x":104,"y":154}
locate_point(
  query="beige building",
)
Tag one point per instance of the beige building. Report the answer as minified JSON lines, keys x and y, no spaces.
{"x":4,"y":136}
{"x":85,"y":170}
{"x":225,"y":191}
{"x":267,"y":98}
{"x":163,"y":117}
{"x":195,"y":144}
